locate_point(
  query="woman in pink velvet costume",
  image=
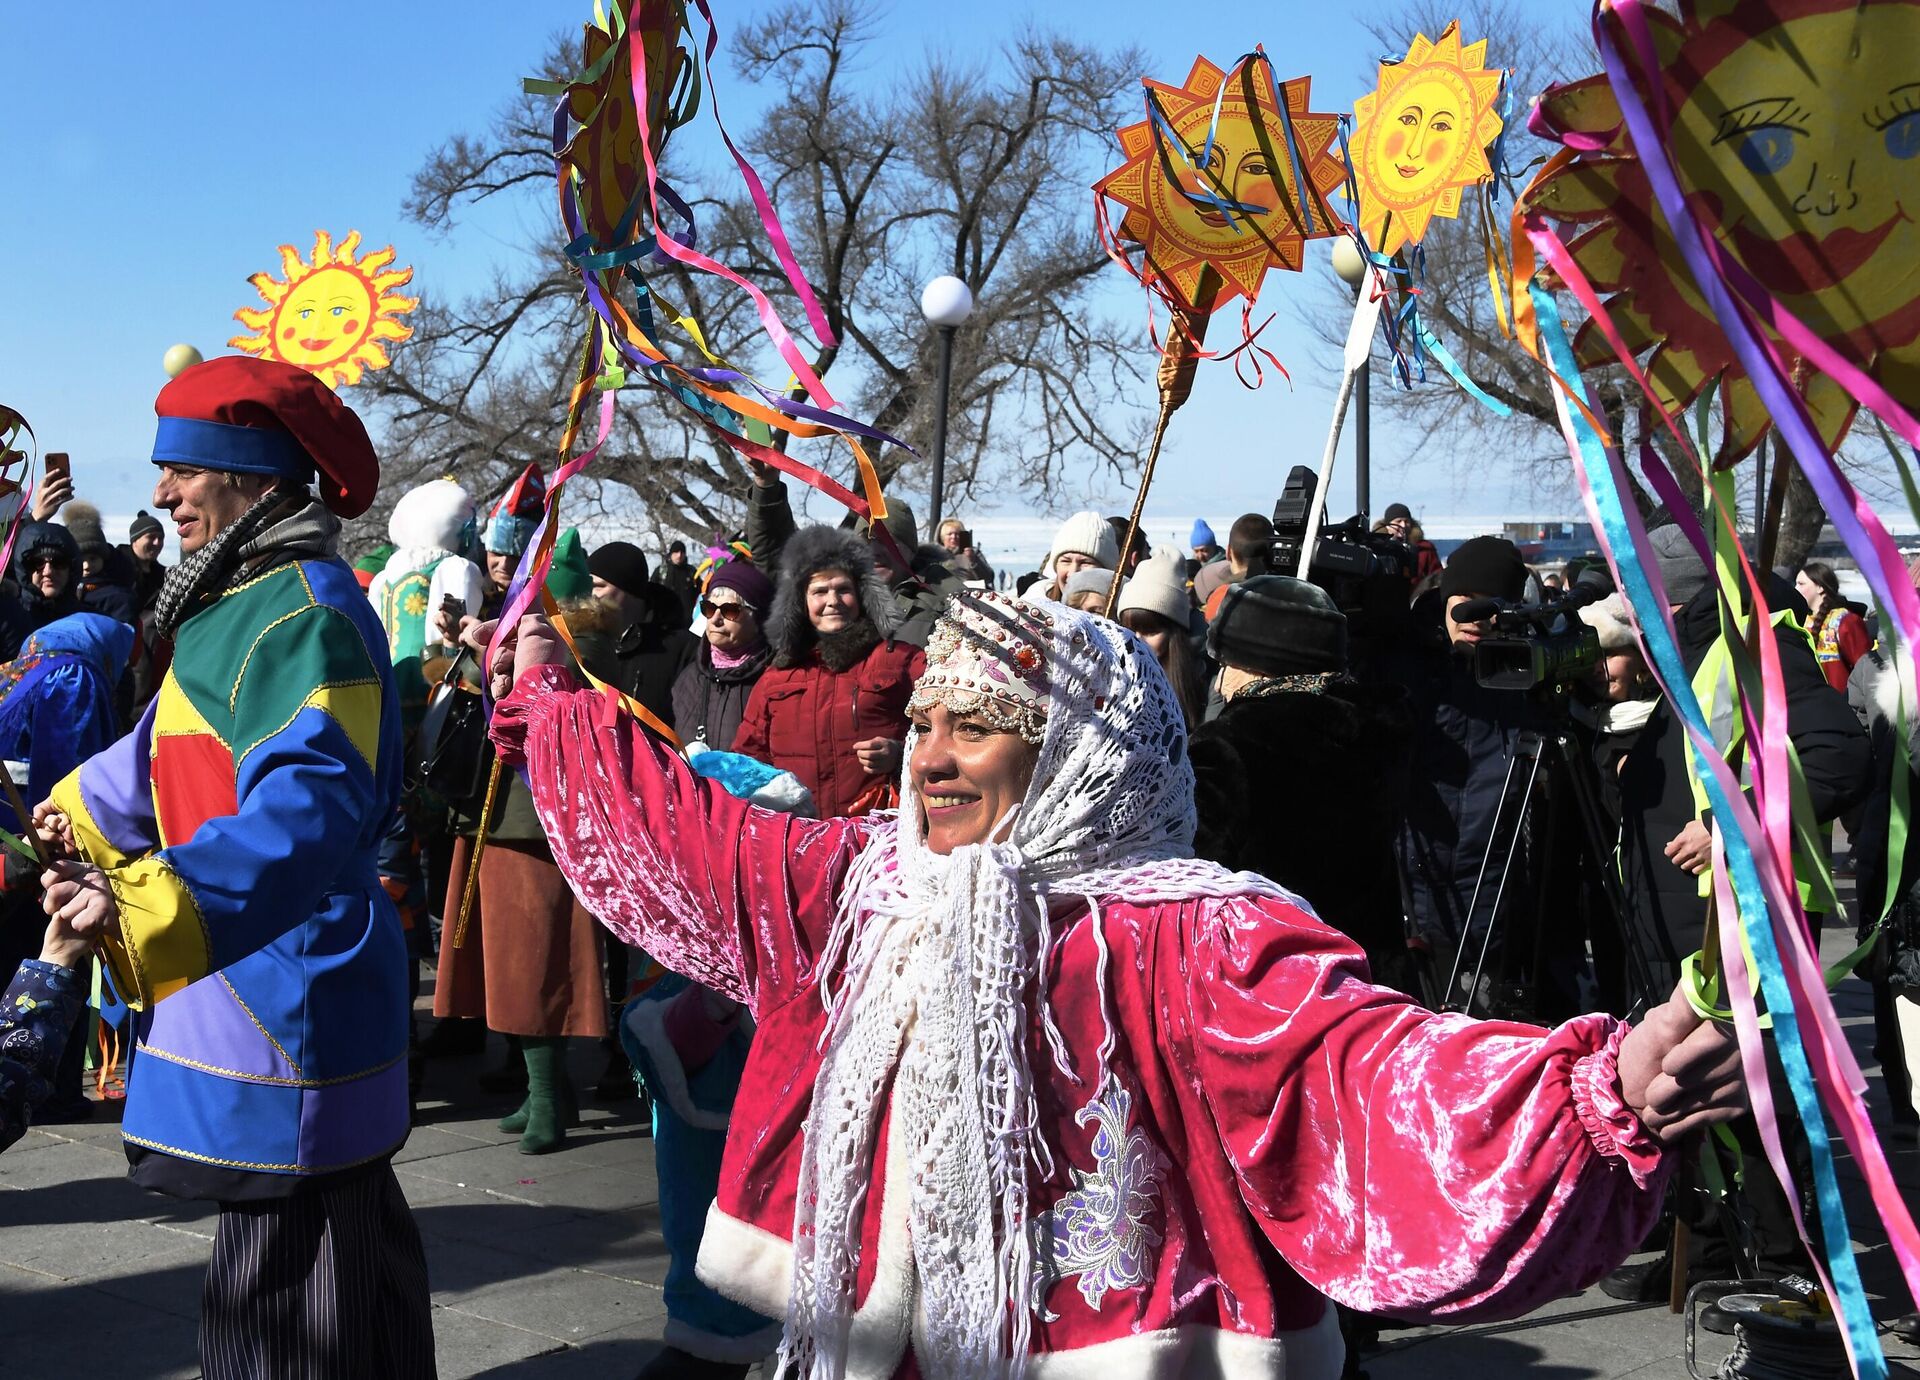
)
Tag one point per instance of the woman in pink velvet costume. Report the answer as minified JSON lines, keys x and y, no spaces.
{"x":1033,"y":1091}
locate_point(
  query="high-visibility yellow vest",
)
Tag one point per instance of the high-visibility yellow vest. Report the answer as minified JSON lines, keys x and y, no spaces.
{"x":1719,"y":696}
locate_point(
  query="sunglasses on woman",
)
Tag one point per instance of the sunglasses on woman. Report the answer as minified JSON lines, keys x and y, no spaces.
{"x":721,"y":613}
{"x":35,"y":562}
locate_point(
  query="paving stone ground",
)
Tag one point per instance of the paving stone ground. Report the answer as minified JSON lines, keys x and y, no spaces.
{"x":550,"y":1267}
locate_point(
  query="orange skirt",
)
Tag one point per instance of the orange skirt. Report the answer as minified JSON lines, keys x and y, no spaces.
{"x":530,"y":963}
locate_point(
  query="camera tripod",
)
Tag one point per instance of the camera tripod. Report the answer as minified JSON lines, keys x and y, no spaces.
{"x":1571,"y":779}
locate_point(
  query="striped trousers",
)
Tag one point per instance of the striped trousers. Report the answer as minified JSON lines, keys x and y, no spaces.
{"x":325,"y":1285}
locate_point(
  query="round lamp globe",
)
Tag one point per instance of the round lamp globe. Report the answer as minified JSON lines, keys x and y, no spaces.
{"x":946,"y":301}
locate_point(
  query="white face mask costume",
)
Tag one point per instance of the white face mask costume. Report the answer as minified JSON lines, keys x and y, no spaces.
{"x":938,"y":980}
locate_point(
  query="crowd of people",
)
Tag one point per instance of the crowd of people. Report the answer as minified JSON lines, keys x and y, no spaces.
{"x":1002,"y":977}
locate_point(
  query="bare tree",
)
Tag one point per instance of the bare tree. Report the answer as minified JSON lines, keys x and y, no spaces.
{"x":882,"y":178}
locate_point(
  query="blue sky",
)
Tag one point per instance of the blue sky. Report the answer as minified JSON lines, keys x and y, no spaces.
{"x":157,"y":158}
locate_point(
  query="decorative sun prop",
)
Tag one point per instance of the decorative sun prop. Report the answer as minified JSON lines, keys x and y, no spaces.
{"x":1217,"y":185}
{"x":1421,"y":138}
{"x":604,"y":153}
{"x":329,"y":316}
{"x":1796,"y":133}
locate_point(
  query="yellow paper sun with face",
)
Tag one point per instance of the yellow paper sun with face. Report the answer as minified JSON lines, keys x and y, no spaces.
{"x":1796,"y":136}
{"x":1230,"y":205}
{"x":329,"y":316}
{"x":1420,"y":139}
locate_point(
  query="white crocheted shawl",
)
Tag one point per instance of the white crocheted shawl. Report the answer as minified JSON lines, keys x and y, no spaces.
{"x":940,"y":986}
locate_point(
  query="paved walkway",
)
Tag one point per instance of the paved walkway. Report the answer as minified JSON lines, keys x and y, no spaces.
{"x":550,"y":1266}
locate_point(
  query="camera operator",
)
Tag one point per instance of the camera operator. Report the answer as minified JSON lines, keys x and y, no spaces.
{"x":1464,"y":738}
{"x":1298,"y":731}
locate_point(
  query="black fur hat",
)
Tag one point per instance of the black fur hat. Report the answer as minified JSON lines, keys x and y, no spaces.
{"x":808,"y":552}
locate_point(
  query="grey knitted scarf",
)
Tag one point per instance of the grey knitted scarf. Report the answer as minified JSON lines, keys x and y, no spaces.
{"x":281,"y":525}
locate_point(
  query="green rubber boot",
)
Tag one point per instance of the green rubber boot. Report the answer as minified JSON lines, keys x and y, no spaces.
{"x":546,"y":1078}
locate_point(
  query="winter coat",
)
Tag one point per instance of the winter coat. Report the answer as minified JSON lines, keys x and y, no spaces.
{"x":1839,"y":641}
{"x":111,"y":591}
{"x":821,"y":696}
{"x":1333,"y":766}
{"x":1664,"y":903}
{"x":709,"y":702}
{"x":1277,"y":1130}
{"x":1464,"y":737}
{"x":967,"y":565}
{"x":805,"y":718}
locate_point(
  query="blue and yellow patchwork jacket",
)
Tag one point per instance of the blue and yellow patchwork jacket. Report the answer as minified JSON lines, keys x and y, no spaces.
{"x":238,"y":826}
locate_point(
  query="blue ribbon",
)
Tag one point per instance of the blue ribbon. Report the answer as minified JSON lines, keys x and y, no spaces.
{"x":1431,"y":344}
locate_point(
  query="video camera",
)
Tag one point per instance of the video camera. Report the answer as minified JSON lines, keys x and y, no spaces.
{"x":1526,"y":650}
{"x":1367,"y":574}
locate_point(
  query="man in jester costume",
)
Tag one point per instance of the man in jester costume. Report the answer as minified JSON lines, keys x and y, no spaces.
{"x":223,"y":856}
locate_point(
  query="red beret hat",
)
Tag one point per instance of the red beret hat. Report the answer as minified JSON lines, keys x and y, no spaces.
{"x":258,"y":416}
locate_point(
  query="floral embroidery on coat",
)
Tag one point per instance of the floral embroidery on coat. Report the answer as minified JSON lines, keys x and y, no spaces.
{"x":1099,"y":1230}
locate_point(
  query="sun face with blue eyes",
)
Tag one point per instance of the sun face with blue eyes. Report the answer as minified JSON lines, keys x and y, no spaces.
{"x":1796,"y":138}
{"x":329,"y":316}
{"x":1803,"y":142}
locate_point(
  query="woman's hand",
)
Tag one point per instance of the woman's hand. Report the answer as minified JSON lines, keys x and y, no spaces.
{"x":52,"y":496}
{"x":1679,"y":1072}
{"x":62,"y":947}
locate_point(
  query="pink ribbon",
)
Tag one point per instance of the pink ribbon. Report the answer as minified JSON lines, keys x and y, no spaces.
{"x":673,"y":249}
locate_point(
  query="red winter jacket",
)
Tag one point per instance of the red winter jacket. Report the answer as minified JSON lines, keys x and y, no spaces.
{"x":806,"y":718}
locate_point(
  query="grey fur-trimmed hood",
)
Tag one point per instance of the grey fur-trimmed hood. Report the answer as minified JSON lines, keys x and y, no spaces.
{"x":806,"y":553}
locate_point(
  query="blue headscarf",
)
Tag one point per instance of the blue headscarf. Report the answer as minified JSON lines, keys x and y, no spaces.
{"x":56,"y":700}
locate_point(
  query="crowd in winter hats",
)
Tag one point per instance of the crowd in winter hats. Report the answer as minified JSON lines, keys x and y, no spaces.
{"x":517,"y":514}
{"x":242,"y":415}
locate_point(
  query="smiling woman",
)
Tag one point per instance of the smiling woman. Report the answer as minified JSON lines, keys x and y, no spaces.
{"x":1025,"y":1069}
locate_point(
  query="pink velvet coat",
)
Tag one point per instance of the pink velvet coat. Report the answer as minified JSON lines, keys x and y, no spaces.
{"x":1279,"y":1131}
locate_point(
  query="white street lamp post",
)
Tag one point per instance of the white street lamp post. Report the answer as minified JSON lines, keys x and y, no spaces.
{"x":946,"y":302}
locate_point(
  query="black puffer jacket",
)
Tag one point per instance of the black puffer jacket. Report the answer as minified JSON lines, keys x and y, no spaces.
{"x":709,"y":701}
{"x":1664,"y":904}
{"x":1308,"y":789}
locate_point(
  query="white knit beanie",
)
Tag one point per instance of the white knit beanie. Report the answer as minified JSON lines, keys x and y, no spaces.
{"x":1159,"y":585}
{"x":1090,"y":535}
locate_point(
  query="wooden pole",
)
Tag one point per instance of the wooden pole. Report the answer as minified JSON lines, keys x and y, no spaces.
{"x":1179,"y":357}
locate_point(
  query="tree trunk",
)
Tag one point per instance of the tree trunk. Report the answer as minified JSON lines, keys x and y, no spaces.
{"x":1800,"y":528}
